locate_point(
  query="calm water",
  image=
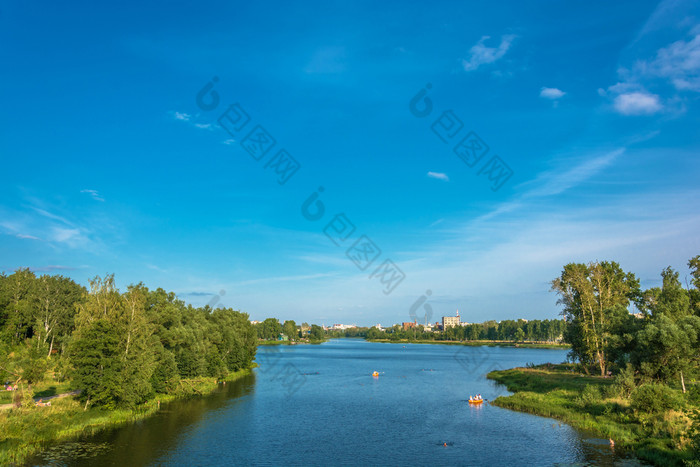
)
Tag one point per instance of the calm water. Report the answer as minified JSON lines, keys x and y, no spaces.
{"x":319,"y":405}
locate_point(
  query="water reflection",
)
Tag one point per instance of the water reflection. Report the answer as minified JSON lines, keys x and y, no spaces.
{"x":142,"y":442}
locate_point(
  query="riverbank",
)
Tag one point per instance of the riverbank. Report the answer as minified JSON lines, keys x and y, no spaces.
{"x":27,"y":430}
{"x":478,"y":343}
{"x":593,"y":403}
{"x":302,"y":342}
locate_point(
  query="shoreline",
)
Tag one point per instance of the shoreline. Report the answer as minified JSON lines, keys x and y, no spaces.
{"x":557,"y":392}
{"x":66,"y":419}
{"x":478,"y":343}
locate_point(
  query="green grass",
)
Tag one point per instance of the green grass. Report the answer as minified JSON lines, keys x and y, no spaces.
{"x":556,"y":391}
{"x":26,"y":431}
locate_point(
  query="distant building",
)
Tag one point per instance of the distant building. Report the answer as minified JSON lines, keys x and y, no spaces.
{"x":448,"y":321}
{"x":255,"y":322}
{"x":409,"y":325}
{"x":379,"y":327}
{"x":342,"y":327}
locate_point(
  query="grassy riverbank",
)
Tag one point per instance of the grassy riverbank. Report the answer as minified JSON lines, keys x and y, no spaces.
{"x":27,"y":430}
{"x":478,"y":343}
{"x":595,"y":404}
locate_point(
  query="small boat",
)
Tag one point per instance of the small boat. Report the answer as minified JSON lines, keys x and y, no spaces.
{"x":476,"y":401}
{"x":375,"y":374}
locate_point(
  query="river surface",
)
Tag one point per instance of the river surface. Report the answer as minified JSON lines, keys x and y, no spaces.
{"x":320,"y":405}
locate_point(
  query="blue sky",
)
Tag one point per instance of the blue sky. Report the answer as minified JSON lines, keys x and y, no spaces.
{"x":110,"y":165}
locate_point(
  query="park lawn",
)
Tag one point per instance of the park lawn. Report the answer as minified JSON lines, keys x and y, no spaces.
{"x":555,"y":391}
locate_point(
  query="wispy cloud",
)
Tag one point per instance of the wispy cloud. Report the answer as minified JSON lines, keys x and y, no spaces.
{"x":481,"y":54}
{"x":556,"y":181}
{"x":52,"y":267}
{"x":551,"y":93}
{"x":550,"y":183}
{"x":27,"y":237}
{"x":94,"y":194}
{"x":156,"y":268}
{"x":228,"y":142}
{"x":678,"y":62}
{"x":192,"y":120}
{"x":185,"y":117}
{"x":439,"y":176}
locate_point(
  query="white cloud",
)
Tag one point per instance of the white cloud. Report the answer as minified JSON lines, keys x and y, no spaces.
{"x":204,"y":126}
{"x":480,"y":54}
{"x":551,"y":93}
{"x":439,"y":176}
{"x":637,"y":103}
{"x":182,"y":116}
{"x":94,"y":194}
{"x":229,"y":141}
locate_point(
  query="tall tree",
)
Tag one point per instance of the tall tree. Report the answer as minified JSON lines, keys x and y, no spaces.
{"x":595,"y":298}
{"x":54,"y":308}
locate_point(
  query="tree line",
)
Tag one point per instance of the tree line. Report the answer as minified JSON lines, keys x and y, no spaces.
{"x":270,"y":330}
{"x":118,"y":348}
{"x":547,"y":330}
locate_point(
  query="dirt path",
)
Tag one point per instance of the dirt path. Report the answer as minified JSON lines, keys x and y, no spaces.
{"x":44,"y":399}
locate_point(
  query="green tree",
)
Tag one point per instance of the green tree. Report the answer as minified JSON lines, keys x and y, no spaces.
{"x":123,"y":356}
{"x":290,"y":329}
{"x":98,"y":364}
{"x":54,"y":308}
{"x":667,"y":348}
{"x":672,"y":300}
{"x":595,"y":298}
{"x":316,"y":333}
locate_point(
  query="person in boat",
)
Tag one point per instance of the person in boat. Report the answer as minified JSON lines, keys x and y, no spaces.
{"x":478,"y":397}
{"x":471,"y":399}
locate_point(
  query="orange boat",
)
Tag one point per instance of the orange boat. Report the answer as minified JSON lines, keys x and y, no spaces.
{"x":375,"y":374}
{"x":476,"y":401}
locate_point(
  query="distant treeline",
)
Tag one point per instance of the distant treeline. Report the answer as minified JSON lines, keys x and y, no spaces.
{"x":119,"y":348}
{"x":271,"y":330}
{"x":548,"y":330}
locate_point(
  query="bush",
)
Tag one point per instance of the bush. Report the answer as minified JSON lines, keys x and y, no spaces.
{"x":654,"y":398}
{"x":625,"y":382}
{"x":590,"y":395}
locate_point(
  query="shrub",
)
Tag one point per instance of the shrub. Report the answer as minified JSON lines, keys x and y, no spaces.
{"x":590,"y":395}
{"x":654,"y":398}
{"x":625,"y":382}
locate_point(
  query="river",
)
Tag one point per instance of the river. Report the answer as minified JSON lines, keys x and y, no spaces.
{"x":320,"y":405}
